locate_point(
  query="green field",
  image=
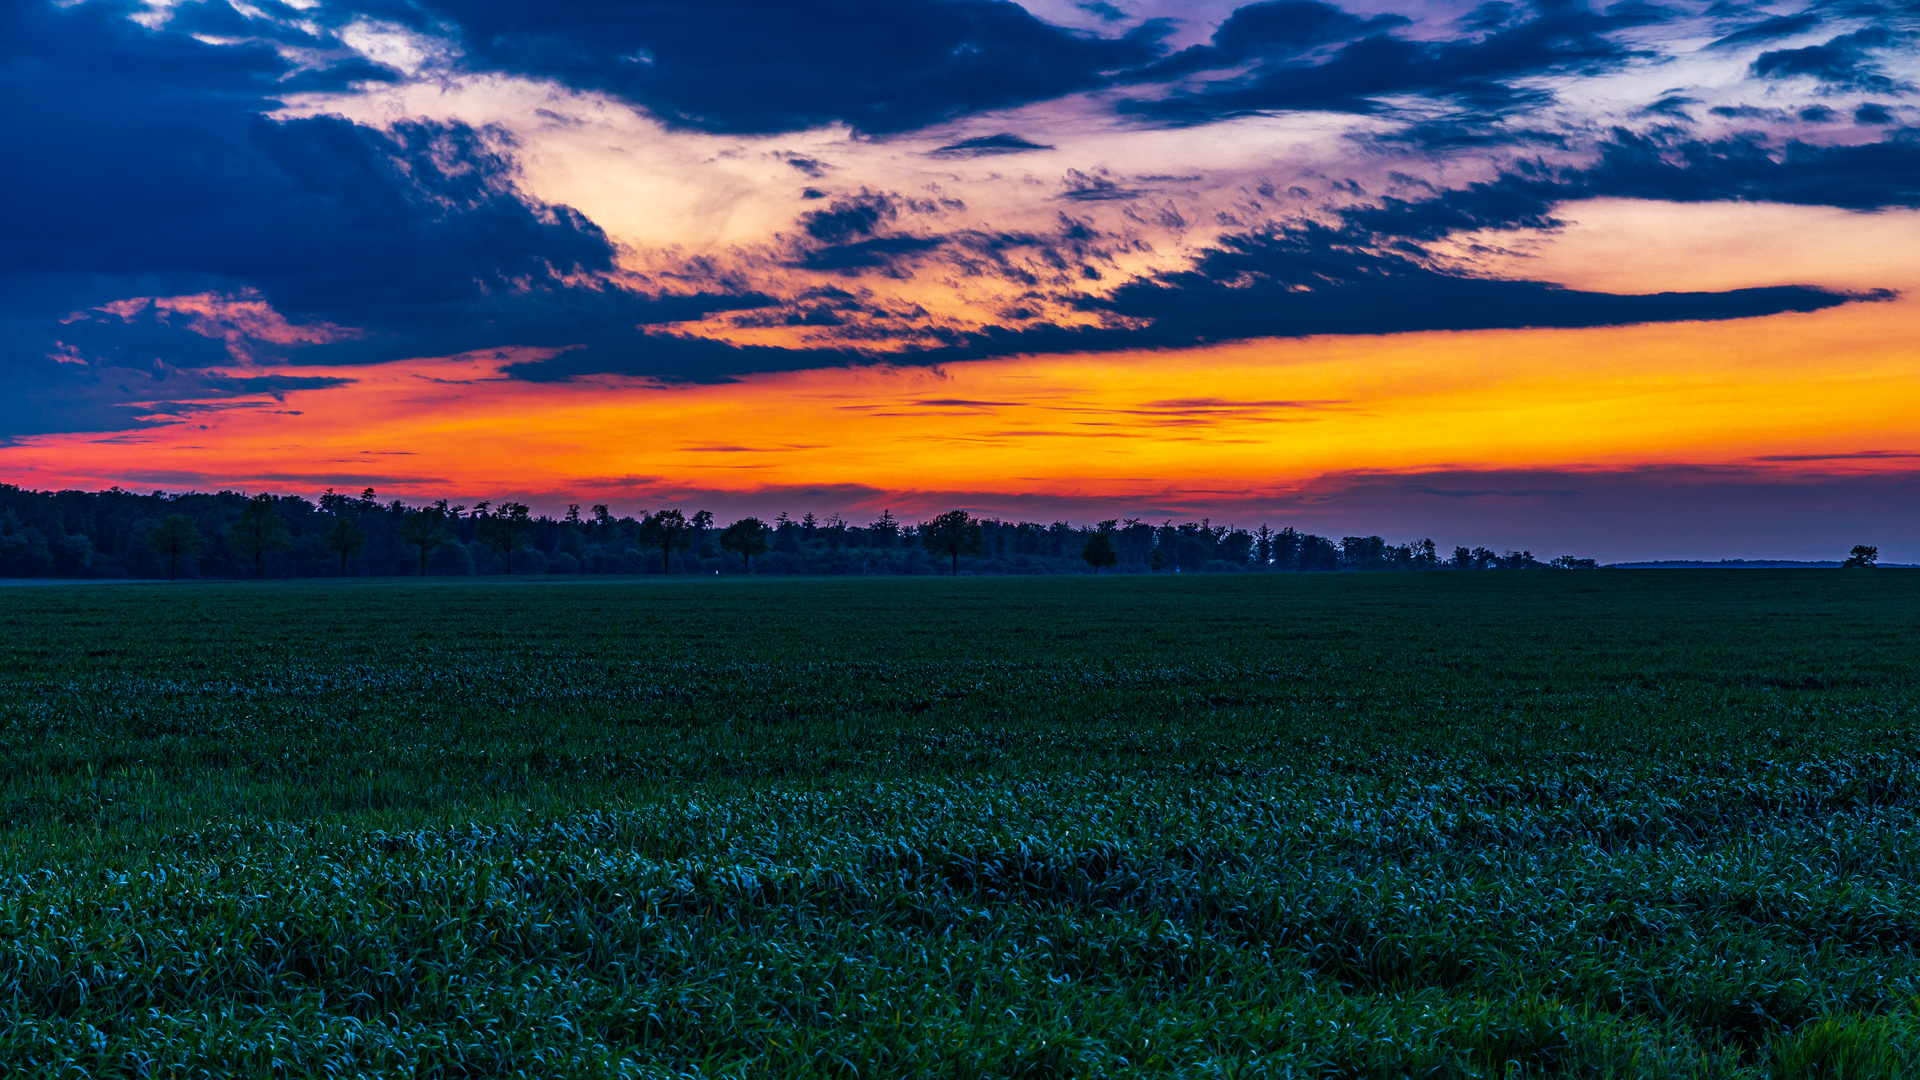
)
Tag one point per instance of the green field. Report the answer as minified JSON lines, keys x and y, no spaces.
{"x":1612,"y":823}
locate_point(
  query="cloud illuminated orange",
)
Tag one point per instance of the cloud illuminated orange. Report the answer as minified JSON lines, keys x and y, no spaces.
{"x":1132,"y":429}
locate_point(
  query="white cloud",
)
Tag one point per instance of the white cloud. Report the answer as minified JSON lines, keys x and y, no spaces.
{"x":396,"y":46}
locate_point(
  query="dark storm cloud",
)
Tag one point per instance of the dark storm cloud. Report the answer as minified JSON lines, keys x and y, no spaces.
{"x":1672,"y":167}
{"x":1082,"y":187}
{"x":1769,"y":30}
{"x":144,"y":369}
{"x":844,"y":237}
{"x":1313,"y":279}
{"x":772,"y":65}
{"x":1844,"y":63}
{"x":146,"y":340}
{"x":851,"y":218}
{"x":1290,"y":27}
{"x":1467,"y":133}
{"x":868,"y":254}
{"x":989,"y":145}
{"x":276,"y":385}
{"x":677,"y":358}
{"x":596,"y":318}
{"x":1275,"y":30}
{"x":58,"y":398}
{"x":1674,"y":105}
{"x":1668,"y":166}
{"x":146,"y":167}
{"x":270,"y":24}
{"x":389,"y":230}
{"x":1103,"y":9}
{"x":1522,"y":200}
{"x":1480,"y":70}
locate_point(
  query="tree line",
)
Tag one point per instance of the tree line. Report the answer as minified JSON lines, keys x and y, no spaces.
{"x":230,"y":534}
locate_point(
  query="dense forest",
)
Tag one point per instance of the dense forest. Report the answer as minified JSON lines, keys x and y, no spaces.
{"x":116,"y":533}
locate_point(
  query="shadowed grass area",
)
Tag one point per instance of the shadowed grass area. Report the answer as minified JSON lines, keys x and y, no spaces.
{"x":1543,"y":824}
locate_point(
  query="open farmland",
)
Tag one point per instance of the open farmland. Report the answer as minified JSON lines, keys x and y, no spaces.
{"x":1538,"y":824}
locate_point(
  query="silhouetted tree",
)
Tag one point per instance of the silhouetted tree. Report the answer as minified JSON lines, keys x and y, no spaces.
{"x":258,"y":531}
{"x":1422,"y":555}
{"x":1473,"y":559}
{"x":667,"y":530}
{"x":344,"y":538}
{"x":1099,"y":552}
{"x":1192,"y":546}
{"x":1287,"y":549}
{"x":1165,"y":552}
{"x":746,"y":538}
{"x":1315,"y":553}
{"x":176,"y":535}
{"x":1864,"y":556}
{"x":953,"y":534}
{"x":699,"y":524}
{"x":425,"y":529}
{"x":1363,"y":553}
{"x":506,"y":529}
{"x":1134,"y":538}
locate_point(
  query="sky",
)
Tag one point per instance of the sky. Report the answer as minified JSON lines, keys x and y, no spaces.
{"x":1627,"y":281}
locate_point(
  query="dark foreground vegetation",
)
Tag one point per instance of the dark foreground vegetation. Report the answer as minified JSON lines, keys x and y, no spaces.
{"x":1654,"y":824}
{"x":228,"y":535}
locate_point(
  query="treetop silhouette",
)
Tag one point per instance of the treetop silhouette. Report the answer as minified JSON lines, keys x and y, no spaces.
{"x":505,"y":529}
{"x":953,"y":534}
{"x":1863,"y":556}
{"x":670,"y":531}
{"x":747,"y":537}
{"x":425,"y":529}
{"x":258,"y":531}
{"x":344,"y":538}
{"x":176,"y":536}
{"x":1099,"y":551}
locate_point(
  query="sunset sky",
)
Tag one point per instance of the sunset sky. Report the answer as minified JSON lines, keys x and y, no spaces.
{"x":1626,"y":281}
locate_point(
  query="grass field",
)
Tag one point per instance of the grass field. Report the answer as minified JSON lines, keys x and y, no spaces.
{"x":1499,"y":824}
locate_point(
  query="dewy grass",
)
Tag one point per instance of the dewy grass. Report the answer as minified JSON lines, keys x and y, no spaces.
{"x":1583,"y":824}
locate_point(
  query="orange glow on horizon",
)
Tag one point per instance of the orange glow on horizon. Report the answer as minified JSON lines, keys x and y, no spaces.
{"x":1231,"y":420}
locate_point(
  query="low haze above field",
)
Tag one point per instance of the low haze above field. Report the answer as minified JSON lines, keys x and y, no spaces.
{"x":1631,"y":278}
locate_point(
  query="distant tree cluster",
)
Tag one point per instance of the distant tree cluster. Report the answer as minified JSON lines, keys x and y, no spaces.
{"x":229,"y":534}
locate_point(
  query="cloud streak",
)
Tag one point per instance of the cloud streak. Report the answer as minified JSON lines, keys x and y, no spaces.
{"x":880,"y":66}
